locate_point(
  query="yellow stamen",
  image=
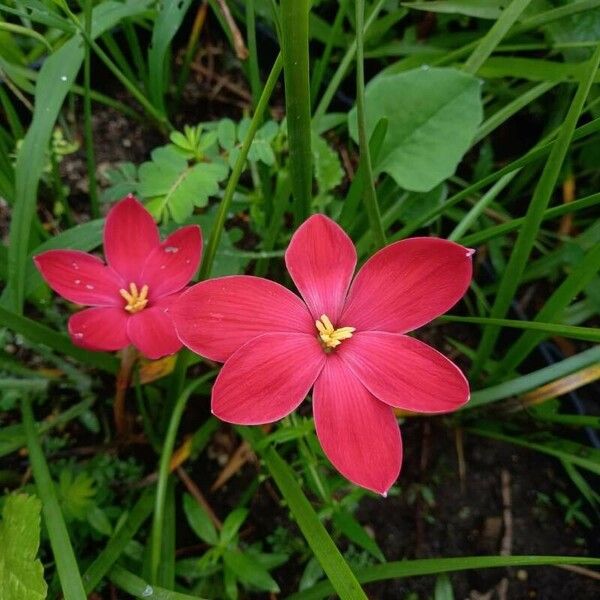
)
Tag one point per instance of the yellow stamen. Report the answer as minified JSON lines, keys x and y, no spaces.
{"x":136,"y":300}
{"x":331,"y":337}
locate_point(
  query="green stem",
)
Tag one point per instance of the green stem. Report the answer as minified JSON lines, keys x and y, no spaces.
{"x":294,"y":46}
{"x":370,"y":195}
{"x":87,"y":115}
{"x":253,"y":70}
{"x":66,"y":563}
{"x":163,"y":475}
{"x":217,"y":230}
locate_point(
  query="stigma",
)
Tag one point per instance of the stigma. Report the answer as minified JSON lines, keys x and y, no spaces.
{"x":330,"y":337}
{"x":136,"y":300}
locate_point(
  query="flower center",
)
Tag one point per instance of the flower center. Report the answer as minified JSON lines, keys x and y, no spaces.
{"x":136,"y":300}
{"x":331,"y":337}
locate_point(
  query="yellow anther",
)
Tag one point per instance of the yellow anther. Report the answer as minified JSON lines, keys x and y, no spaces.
{"x":331,"y":337}
{"x":136,"y":300}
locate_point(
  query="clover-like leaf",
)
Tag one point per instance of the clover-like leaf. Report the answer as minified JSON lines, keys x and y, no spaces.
{"x":174,"y":187}
{"x":21,"y":573}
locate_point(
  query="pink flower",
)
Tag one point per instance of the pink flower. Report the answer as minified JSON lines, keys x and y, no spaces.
{"x":131,"y":296}
{"x":346,"y":341}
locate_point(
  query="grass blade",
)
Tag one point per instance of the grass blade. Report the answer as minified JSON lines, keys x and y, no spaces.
{"x":66,"y":564}
{"x":434,"y":566}
{"x":533,"y":380}
{"x":539,"y":202}
{"x":38,"y":333}
{"x":587,"y":334}
{"x":339,"y":573}
{"x":581,"y":275}
{"x":494,"y":36}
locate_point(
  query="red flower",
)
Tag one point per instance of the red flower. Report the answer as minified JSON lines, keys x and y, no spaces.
{"x":347,"y":342}
{"x":133,"y":294}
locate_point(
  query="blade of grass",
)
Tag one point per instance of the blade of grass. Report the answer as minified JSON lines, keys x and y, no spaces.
{"x":539,"y":202}
{"x":550,"y":213}
{"x":494,"y":36}
{"x":577,"y":454}
{"x":138,"y":588}
{"x":369,"y":193}
{"x":294,"y":47}
{"x":66,"y":564}
{"x":343,"y":67}
{"x":467,"y":221}
{"x":38,"y":333}
{"x":124,"y":534}
{"x":581,"y":275}
{"x":574,"y":332}
{"x":163,"y":474}
{"x":434,"y":566}
{"x":219,"y":222}
{"x":87,"y":116}
{"x":528,"y":382}
{"x":534,"y":154}
{"x":342,"y":578}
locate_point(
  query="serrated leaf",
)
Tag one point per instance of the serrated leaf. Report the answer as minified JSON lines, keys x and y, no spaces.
{"x":199,"y":521}
{"x":327,"y":165}
{"x":21,"y":573}
{"x":433,"y":115}
{"x":226,"y":133}
{"x":173,"y":186}
{"x":249,"y":571}
{"x":76,"y":494}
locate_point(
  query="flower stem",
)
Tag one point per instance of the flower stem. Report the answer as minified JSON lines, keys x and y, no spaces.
{"x":217,"y":230}
{"x":294,"y":46}
{"x":370,"y":196}
{"x":128,"y":358}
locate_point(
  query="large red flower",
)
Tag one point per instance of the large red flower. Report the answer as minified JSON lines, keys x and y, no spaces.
{"x":346,"y":341}
{"x":132,"y":295}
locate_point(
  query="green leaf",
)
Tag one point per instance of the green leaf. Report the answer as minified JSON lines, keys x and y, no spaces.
{"x":433,"y":115}
{"x":169,"y":19}
{"x":199,"y":521}
{"x":235,"y":519}
{"x":21,"y":573}
{"x":483,"y":9}
{"x":327,"y":165}
{"x":249,"y":571}
{"x":76,"y":494}
{"x":226,"y":134}
{"x":173,"y":186}
{"x":354,"y":531}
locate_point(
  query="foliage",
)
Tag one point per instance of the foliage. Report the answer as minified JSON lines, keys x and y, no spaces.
{"x":481,"y":126}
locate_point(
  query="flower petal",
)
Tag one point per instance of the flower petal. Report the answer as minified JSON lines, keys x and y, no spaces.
{"x":404,"y":372}
{"x":407,"y":284}
{"x":216,"y":317}
{"x":321,"y":259}
{"x":80,"y":277}
{"x":267,"y":378}
{"x":170,"y":266}
{"x":130,"y":235}
{"x":359,"y":435}
{"x":103,"y":328}
{"x":152,"y":332}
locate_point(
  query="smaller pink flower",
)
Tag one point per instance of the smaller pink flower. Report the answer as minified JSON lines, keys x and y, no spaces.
{"x":345,"y":339}
{"x":131,"y":296}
